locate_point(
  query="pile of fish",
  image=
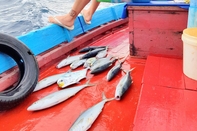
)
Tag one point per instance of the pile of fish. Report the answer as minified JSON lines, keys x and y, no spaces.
{"x":95,"y":59}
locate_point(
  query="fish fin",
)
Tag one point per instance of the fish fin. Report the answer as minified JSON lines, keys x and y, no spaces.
{"x":89,"y":84}
{"x":125,"y":71}
{"x":131,"y":69}
{"x":68,"y":56}
{"x":125,"y":58}
{"x":70,"y":70}
{"x":103,"y":96}
{"x":107,"y":99}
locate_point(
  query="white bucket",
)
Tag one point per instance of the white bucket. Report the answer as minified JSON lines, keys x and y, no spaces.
{"x":189,"y":38}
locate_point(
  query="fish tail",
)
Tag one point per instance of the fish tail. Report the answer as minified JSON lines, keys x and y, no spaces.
{"x":125,"y":71}
{"x":131,"y":69}
{"x":124,"y":59}
{"x":89,"y":84}
{"x":107,"y":99}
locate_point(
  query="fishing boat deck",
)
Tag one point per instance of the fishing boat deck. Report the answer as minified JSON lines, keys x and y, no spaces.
{"x":160,"y":98}
{"x":116,"y":115}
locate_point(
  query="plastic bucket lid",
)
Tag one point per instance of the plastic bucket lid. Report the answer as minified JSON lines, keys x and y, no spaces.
{"x":189,"y":38}
{"x":191,"y":35}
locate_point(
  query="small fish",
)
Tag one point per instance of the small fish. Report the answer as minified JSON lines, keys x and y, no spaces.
{"x":123,"y":85}
{"x":92,"y":53}
{"x":89,"y":62}
{"x":68,"y":61}
{"x":102,"y":54}
{"x":48,"y":81}
{"x":56,"y":97}
{"x":100,"y":60}
{"x":77,"y":63}
{"x":90,"y":48}
{"x":72,"y":78}
{"x":114,"y":71}
{"x":97,"y":68}
{"x":87,"y":118}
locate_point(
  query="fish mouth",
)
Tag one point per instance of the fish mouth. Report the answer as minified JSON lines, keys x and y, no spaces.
{"x":117,"y":97}
{"x":61,"y":84}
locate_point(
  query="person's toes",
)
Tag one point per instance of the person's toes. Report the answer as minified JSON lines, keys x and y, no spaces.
{"x":50,"y":19}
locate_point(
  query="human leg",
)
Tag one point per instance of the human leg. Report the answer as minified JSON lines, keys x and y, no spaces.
{"x":68,"y":20}
{"x":87,"y":14}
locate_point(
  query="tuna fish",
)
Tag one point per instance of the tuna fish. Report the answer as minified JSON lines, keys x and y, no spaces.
{"x":123,"y":85}
{"x":92,"y":53}
{"x":77,"y":63}
{"x":89,"y":62}
{"x":100,"y":60}
{"x":87,"y":118}
{"x":102,"y":54}
{"x":56,"y":97}
{"x":48,"y":81}
{"x":114,"y":71}
{"x":68,"y":61}
{"x":72,"y":78}
{"x":97,"y":68}
{"x":90,"y":48}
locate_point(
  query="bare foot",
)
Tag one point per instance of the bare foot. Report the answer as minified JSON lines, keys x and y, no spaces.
{"x":87,"y":16}
{"x":64,"y":20}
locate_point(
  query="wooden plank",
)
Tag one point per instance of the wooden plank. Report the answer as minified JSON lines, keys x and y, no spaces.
{"x":157,"y":41}
{"x":162,"y":71}
{"x":164,"y":20}
{"x":156,"y":30}
{"x":166,"y":109}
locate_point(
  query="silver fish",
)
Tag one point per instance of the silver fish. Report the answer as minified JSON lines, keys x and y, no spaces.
{"x":56,"y":97}
{"x":90,"y":48}
{"x":77,"y":63}
{"x":114,"y":71}
{"x":102,"y":54}
{"x":68,"y":61}
{"x":101,"y":60}
{"x":123,"y":85}
{"x":87,"y":118}
{"x":92,"y":53}
{"x":97,"y":68}
{"x":89,"y":62}
{"x":48,"y":81}
{"x":72,"y":78}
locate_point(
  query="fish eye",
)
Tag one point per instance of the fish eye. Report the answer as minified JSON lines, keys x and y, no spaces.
{"x":61,"y":80}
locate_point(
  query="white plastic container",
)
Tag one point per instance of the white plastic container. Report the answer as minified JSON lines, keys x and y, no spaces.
{"x":189,"y":38}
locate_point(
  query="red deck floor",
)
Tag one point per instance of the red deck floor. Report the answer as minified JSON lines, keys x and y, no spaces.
{"x":168,"y":98}
{"x":116,"y":115}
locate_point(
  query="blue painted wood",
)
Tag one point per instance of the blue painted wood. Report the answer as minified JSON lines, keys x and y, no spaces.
{"x":103,"y":16}
{"x":119,"y":10}
{"x":43,"y":39}
{"x":77,"y":31}
{"x":100,"y":17}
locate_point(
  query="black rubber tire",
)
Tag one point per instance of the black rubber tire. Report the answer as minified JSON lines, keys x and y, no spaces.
{"x":28,"y":69}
